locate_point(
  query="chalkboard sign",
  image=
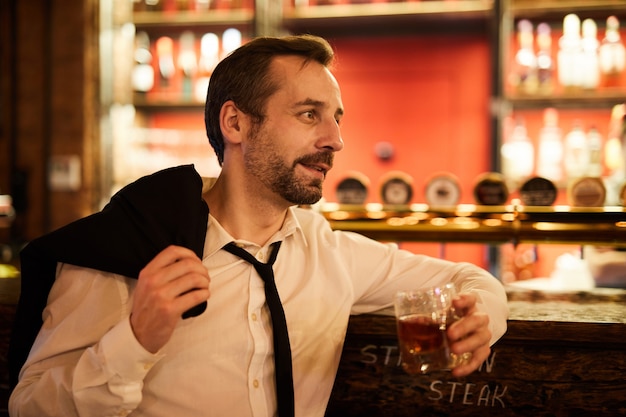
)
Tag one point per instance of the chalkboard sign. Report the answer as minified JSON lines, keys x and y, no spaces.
{"x":537,"y":369}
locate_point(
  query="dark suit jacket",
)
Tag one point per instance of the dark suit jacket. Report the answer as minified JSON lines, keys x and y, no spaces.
{"x":142,"y":219}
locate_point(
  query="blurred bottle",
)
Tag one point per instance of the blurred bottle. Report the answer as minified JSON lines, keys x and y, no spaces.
{"x":569,"y":56}
{"x":209,"y":57}
{"x":518,"y":154}
{"x":614,"y":148}
{"x":165,"y":56}
{"x":142,"y":77}
{"x":187,"y":62}
{"x":202,"y":5}
{"x":623,"y":133}
{"x":576,"y":155}
{"x":545,"y":64}
{"x":154,"y":5}
{"x":590,"y":69}
{"x":594,"y":144}
{"x":615,"y":155}
{"x":231,"y":40}
{"x":525,"y":60}
{"x":550,"y":152}
{"x":612,"y":53}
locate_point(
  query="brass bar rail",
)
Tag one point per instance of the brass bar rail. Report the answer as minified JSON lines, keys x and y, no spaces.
{"x":482,"y":224}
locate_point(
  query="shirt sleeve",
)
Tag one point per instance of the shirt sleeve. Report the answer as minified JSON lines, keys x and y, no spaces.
{"x":86,"y":360}
{"x":382,"y":269}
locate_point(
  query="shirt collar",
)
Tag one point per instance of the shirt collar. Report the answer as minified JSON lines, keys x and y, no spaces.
{"x":217,"y":236}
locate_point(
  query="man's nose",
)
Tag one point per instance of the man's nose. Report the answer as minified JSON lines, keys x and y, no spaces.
{"x":331,"y":138}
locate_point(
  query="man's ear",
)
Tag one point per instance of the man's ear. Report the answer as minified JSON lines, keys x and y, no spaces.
{"x":232,"y":121}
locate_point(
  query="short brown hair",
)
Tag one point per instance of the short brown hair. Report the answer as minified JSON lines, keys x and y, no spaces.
{"x":244,"y":77}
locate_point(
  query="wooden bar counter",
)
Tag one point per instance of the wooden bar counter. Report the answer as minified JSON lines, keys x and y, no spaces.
{"x":564,"y":354}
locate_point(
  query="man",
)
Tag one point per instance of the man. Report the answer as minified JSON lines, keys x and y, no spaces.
{"x":113,"y":345}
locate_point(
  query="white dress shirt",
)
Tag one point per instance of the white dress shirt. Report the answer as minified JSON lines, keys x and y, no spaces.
{"x":86,"y":361}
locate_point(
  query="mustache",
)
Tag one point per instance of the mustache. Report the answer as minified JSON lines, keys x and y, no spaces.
{"x":324,"y":157}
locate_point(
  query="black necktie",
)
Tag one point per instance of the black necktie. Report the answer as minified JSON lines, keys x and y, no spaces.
{"x":282,"y":349}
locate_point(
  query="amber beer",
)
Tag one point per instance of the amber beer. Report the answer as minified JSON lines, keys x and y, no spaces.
{"x":422,"y":317}
{"x":423,"y":344}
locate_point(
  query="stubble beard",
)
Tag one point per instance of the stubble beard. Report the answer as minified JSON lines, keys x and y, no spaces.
{"x":265,"y":164}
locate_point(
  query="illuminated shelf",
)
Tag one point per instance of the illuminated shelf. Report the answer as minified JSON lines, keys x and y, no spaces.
{"x":189,"y":19}
{"x":558,"y":8}
{"x":156,"y":105}
{"x":483,"y":224}
{"x":461,"y":8}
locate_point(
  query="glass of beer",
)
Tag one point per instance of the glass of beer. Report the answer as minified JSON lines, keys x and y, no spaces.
{"x":422,"y":317}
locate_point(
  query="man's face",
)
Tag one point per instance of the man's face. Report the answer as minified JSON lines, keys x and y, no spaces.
{"x":291,"y":152}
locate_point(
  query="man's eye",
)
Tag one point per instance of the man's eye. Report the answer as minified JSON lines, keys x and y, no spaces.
{"x":309,"y":114}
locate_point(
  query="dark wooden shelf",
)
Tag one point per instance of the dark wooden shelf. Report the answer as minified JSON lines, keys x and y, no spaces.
{"x":390,"y":17}
{"x":168,"y":106}
{"x":582,"y":99}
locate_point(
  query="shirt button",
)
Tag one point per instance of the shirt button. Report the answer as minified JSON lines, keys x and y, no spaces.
{"x":253,"y":316}
{"x":255,"y":383}
{"x":147,"y":366}
{"x":260,"y":257}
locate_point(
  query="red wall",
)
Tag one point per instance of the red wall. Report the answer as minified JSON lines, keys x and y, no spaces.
{"x":428,"y":96}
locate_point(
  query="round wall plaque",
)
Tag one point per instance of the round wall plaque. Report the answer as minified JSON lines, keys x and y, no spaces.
{"x":586,"y":192}
{"x":538,"y":191}
{"x":352,"y":189}
{"x":442,"y":190}
{"x":491,"y":189}
{"x":396,"y":188}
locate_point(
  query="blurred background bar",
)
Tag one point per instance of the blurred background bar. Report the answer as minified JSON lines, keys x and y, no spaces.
{"x":488,"y":131}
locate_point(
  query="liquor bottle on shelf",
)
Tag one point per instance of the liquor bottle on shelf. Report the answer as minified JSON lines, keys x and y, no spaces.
{"x":187,"y":62}
{"x":545,"y":64}
{"x":209,"y":57}
{"x":569,"y":56}
{"x":518,"y":154}
{"x":154,"y":5}
{"x":231,"y":40}
{"x":614,"y":147}
{"x":550,"y":152}
{"x":165,"y":56}
{"x":525,"y":76}
{"x":201,"y":5}
{"x":594,"y":145}
{"x":142,"y":76}
{"x":612,"y":53}
{"x":590,"y":70}
{"x":576,"y":155}
{"x":614,"y":157}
